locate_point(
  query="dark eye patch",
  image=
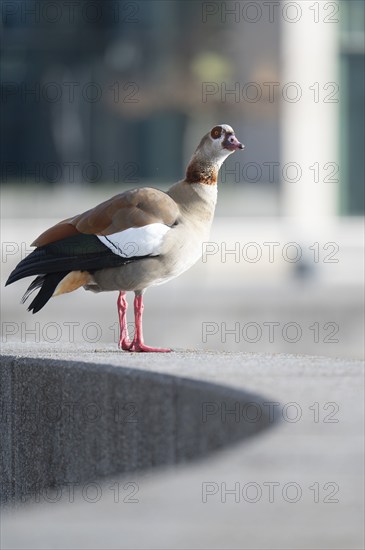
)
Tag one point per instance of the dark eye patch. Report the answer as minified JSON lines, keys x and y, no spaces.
{"x":216,"y":132}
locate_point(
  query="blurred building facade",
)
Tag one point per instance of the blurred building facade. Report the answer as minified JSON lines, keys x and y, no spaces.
{"x":120,"y":92}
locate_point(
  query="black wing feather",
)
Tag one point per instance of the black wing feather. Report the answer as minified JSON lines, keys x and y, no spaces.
{"x":77,"y":253}
{"x":52,"y":262}
{"x":48,"y":283}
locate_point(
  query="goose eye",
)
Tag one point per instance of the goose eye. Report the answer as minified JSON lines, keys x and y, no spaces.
{"x":216,"y":132}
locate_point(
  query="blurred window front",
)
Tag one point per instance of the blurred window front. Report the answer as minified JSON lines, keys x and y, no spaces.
{"x":352,"y":55}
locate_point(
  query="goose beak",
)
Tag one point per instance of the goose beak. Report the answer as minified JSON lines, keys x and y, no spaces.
{"x":232,"y":144}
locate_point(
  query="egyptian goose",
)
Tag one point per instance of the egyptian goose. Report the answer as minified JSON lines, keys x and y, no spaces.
{"x":139,"y":238}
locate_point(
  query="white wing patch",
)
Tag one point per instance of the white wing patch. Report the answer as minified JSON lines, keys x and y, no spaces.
{"x":137,"y":241}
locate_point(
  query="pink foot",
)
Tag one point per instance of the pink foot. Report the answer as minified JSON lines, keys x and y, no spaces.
{"x":138,"y":347}
{"x":125,"y":344}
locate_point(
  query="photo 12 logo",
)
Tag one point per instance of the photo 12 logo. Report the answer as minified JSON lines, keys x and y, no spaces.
{"x":253,"y":492}
{"x":269,"y":92}
{"x":270,"y":251}
{"x":248,"y":11}
{"x":270,"y":331}
{"x":274,"y":411}
{"x":69,"y":92}
{"x":71,"y":12}
{"x":69,"y":172}
{"x":90,"y":492}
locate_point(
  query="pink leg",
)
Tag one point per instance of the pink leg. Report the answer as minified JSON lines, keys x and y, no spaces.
{"x":137,"y":344}
{"x":124,"y":341}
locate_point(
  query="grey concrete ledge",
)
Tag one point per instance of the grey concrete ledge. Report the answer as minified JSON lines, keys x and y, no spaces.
{"x":72,"y":418}
{"x":316,"y":444}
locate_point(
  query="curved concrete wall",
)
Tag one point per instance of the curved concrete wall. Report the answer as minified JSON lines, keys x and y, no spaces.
{"x":67,"y":422}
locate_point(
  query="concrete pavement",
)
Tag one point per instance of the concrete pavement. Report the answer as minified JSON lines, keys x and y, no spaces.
{"x":296,"y":484}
